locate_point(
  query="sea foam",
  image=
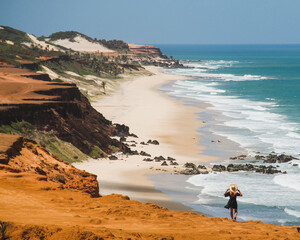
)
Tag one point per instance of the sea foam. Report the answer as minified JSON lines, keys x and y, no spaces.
{"x":260,"y":125}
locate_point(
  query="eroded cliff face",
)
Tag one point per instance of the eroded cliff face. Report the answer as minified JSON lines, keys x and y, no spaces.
{"x":23,"y":157}
{"x":59,"y":108}
{"x":146,"y":50}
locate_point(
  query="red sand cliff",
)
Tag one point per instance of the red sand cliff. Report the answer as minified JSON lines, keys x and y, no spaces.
{"x":59,"y":108}
{"x":146,"y":50}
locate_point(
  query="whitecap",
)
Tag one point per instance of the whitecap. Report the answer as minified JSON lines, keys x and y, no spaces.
{"x":292,"y":212}
{"x":290,"y":181}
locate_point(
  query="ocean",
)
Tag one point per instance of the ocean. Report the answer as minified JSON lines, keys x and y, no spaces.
{"x":251,"y":97}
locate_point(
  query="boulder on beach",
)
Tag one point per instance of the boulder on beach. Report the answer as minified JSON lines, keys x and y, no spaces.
{"x":161,"y":158}
{"x":142,"y":153}
{"x":164,"y":163}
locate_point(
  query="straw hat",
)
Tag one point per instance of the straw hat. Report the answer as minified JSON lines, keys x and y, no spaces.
{"x":233,"y":187}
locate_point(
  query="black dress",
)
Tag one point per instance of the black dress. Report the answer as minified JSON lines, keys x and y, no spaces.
{"x":232,"y":203}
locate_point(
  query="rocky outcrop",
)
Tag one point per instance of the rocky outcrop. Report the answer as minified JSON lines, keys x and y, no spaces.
{"x":274,"y":158}
{"x":246,"y":167}
{"x":22,"y":155}
{"x":192,"y":169}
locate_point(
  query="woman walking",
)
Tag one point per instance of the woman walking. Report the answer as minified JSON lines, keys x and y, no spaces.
{"x":232,"y":192}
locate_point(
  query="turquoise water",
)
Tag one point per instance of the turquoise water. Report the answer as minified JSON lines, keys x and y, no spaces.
{"x":255,"y":102}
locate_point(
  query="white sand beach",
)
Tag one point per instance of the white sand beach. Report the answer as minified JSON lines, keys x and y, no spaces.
{"x":150,"y":114}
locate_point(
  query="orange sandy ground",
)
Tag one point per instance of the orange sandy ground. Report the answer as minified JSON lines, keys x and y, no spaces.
{"x":37,"y":208}
{"x":15,"y":88}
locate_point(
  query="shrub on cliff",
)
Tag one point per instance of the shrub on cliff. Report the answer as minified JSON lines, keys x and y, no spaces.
{"x":3,"y":230}
{"x":19,"y":128}
{"x":97,"y":153}
{"x":63,"y":150}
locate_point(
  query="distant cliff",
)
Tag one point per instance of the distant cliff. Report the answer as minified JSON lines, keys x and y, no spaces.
{"x":146,"y":50}
{"x":151,"y":55}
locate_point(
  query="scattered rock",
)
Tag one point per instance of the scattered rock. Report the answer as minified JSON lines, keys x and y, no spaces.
{"x":135,"y":152}
{"x":60,"y":178}
{"x":122,"y":139}
{"x":164,"y":163}
{"x":112,"y":157}
{"x":246,"y":167}
{"x":190,"y":165}
{"x":240,"y":157}
{"x":173,"y":163}
{"x":40,"y":171}
{"x":133,"y":135}
{"x":201,"y":167}
{"x":190,"y":171}
{"x":121,"y":130}
{"x":143,"y":143}
{"x":155,"y":142}
{"x":160,"y":158}
{"x":142,"y":153}
{"x":282,"y":158}
{"x":219,"y":168}
{"x":148,"y":160}
{"x":171,"y":159}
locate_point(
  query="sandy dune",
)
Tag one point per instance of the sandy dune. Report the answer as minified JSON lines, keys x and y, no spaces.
{"x":82,"y":45}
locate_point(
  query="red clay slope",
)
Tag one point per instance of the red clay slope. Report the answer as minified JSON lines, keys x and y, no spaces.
{"x":59,"y":108}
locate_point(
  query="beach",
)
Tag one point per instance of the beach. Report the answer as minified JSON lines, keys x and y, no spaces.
{"x":150,"y":114}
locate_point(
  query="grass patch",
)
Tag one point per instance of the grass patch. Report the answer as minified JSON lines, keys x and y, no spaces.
{"x":114,"y":148}
{"x":9,"y":53}
{"x":3,"y":230}
{"x":97,"y":153}
{"x":63,"y":150}
{"x":62,"y":66}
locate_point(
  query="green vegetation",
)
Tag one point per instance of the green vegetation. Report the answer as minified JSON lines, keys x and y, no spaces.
{"x":114,"y":148}
{"x":97,"y":153}
{"x":12,"y":53}
{"x":63,"y":150}
{"x":57,"y":80}
{"x":114,"y":44}
{"x":100,"y":65}
{"x":85,"y":65}
{"x":22,"y":128}
{"x":66,"y":35}
{"x":111,"y":44}
{"x":3,"y":230}
{"x":14,"y":35}
{"x":62,"y":66}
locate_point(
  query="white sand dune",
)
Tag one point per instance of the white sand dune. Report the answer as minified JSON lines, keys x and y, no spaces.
{"x":37,"y":42}
{"x":82,"y":45}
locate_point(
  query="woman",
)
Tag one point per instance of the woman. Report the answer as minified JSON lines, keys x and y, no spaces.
{"x":232,"y":192}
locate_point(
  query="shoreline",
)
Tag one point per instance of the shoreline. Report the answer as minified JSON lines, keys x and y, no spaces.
{"x":150,"y":114}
